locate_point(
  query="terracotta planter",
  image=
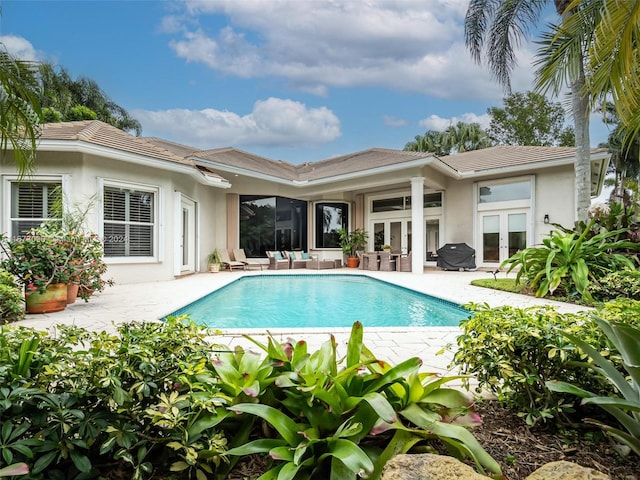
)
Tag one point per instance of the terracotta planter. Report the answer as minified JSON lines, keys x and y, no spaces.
{"x":352,"y":262}
{"x":53,"y":300}
{"x":72,"y":293}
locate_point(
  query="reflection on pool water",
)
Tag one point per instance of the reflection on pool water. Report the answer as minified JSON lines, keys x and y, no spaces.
{"x":302,"y":301}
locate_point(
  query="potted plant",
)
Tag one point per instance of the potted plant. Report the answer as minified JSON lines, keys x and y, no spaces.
{"x":40,"y":262}
{"x":351,"y":243}
{"x":214,"y":261}
{"x":87,"y":257}
{"x":386,"y":247}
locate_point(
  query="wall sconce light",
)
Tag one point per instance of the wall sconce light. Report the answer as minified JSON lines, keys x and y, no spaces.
{"x":546,"y":218}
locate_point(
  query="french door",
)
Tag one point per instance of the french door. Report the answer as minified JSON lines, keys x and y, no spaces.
{"x":396,"y":233}
{"x":502,"y":234}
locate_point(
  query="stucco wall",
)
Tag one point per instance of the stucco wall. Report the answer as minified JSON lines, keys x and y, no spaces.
{"x":555,"y":197}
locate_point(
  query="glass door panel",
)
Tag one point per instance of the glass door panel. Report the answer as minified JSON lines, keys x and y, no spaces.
{"x":491,"y":238}
{"x":432,"y":239}
{"x":378,"y":236}
{"x":395,"y":237}
{"x":517,"y":225}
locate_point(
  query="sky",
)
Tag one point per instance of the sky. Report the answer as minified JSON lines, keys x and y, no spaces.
{"x":291,"y":80}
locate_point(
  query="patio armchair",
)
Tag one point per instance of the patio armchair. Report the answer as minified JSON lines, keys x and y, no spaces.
{"x":298,"y":259}
{"x":227,"y":262}
{"x":370,"y":261}
{"x":405,"y":263}
{"x":277,"y":261}
{"x":387,"y":264}
{"x":240,"y":256}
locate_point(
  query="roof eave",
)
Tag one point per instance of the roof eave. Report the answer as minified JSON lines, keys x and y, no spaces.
{"x":80,"y":146}
{"x":529,"y":166}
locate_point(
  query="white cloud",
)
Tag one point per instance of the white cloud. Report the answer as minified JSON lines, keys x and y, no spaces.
{"x":20,"y":47}
{"x":273,"y":122}
{"x":407,"y":46}
{"x":394,"y":122}
{"x":435,"y":122}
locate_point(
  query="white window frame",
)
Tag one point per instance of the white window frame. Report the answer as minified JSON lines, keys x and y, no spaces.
{"x":158,"y":246}
{"x":5,"y":187}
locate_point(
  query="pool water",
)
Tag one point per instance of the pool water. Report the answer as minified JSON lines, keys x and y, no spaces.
{"x":303,"y":301}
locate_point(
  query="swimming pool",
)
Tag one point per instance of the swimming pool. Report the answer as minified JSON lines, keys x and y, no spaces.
{"x":292,"y":301}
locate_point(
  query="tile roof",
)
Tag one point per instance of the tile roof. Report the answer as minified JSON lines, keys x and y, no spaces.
{"x":102,"y":134}
{"x":476,"y":161}
{"x":508,"y":156}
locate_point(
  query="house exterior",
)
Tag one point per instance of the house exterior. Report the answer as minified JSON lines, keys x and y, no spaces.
{"x":161,"y":208}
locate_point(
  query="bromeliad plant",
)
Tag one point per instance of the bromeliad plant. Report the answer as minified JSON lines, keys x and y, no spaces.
{"x":338,"y":418}
{"x":569,"y":262}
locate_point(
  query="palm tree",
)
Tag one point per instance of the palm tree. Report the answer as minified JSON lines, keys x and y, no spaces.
{"x":613,"y":56}
{"x":463,"y":137}
{"x":19,"y":111}
{"x":431,"y":141}
{"x":503,"y":24}
{"x":62,"y":93}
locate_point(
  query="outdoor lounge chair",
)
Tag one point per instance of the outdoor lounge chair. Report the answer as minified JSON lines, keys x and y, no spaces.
{"x":277,"y":261}
{"x":227,"y":262}
{"x":240,"y":256}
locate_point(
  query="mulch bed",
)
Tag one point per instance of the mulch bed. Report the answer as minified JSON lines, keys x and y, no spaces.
{"x":518,"y":448}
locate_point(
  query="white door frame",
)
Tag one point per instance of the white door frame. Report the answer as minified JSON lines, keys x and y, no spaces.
{"x":186,"y":258}
{"x":503,"y":234}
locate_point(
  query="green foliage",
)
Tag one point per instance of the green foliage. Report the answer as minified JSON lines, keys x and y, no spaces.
{"x":214,"y":258}
{"x":20,"y":112}
{"x":529,"y":119}
{"x":513,"y":352}
{"x":11,"y":299}
{"x":503,"y":284}
{"x":625,"y":407}
{"x":51,"y":115}
{"x":332,"y":406}
{"x":623,"y":283}
{"x":80,"y":99}
{"x":80,"y":112}
{"x":352,"y":242}
{"x":569,"y":262}
{"x":161,"y":399}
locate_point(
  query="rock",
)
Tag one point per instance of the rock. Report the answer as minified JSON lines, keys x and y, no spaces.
{"x":566,"y":471}
{"x":427,"y":466}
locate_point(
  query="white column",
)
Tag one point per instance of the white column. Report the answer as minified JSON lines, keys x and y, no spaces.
{"x":417,"y":227}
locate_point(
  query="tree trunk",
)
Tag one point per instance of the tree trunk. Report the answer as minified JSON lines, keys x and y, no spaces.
{"x":580,"y":107}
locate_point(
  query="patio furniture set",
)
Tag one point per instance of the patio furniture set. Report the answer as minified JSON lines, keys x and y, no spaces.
{"x":291,"y":260}
{"x":385,"y":261}
{"x":382,"y":261}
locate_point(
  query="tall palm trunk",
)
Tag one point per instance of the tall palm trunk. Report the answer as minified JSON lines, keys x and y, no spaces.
{"x":580,"y":110}
{"x":580,"y":107}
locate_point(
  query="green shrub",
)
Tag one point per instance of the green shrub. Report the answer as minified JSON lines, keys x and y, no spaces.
{"x":512,"y":352}
{"x":11,"y":299}
{"x":162,"y":397}
{"x":570,"y":261}
{"x":622,"y":283}
{"x":624,"y":406}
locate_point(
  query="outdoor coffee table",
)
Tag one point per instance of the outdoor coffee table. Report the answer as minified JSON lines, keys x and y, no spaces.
{"x":320,"y":264}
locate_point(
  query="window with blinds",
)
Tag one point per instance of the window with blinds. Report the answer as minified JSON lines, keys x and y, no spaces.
{"x":34,"y":203}
{"x":129,"y":222}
